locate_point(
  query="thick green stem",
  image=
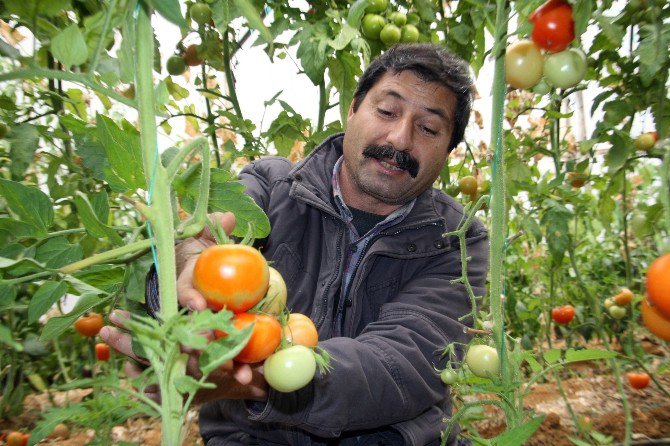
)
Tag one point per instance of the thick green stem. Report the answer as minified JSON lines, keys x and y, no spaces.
{"x":210,"y":119}
{"x":323,"y":106}
{"x":232,"y":94}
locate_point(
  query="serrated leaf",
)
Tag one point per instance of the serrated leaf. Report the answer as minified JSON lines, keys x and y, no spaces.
{"x":56,"y":326}
{"x":653,"y":52}
{"x":24,"y":140}
{"x":611,"y":30}
{"x":618,"y":153}
{"x":170,"y":9}
{"x":344,"y":71}
{"x":28,"y":9}
{"x":356,"y":12}
{"x":532,"y":362}
{"x":255,"y":21}
{"x":57,"y":252}
{"x":69,"y":47}
{"x":122,"y":147}
{"x":89,"y":219}
{"x":44,"y":298}
{"x":7,"y":296}
{"x":590,"y":354}
{"x":519,"y":435}
{"x":30,"y":204}
{"x":87,"y":145}
{"x":11,"y":229}
{"x":581,"y":14}
{"x":224,"y":349}
{"x":312,"y":51}
{"x":552,"y":356}
{"x":188,"y":385}
{"x":346,"y":35}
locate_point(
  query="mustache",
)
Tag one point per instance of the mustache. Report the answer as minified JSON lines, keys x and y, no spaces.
{"x":403,"y":159}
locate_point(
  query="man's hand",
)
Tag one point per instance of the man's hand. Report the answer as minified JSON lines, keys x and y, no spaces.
{"x":233,"y":380}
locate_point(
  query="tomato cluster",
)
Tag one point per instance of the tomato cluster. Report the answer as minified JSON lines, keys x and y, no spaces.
{"x":237,"y":278}
{"x":561,"y":67}
{"x":390,"y":27}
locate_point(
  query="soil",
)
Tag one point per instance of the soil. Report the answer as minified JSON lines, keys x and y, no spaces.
{"x":589,"y":387}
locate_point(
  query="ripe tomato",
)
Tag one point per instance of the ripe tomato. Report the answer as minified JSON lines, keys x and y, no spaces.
{"x":655,"y":321}
{"x":390,"y":34}
{"x":102,"y":351}
{"x":275,"y":298}
{"x":658,"y":284}
{"x":565,"y":69}
{"x":617,"y":312}
{"x":201,"y":13}
{"x":468,"y":185}
{"x":300,"y":330}
{"x":290,"y":369}
{"x":372,"y":25}
{"x":646,"y":141}
{"x":175,"y":65}
{"x":523,"y":64}
{"x":409,"y":34}
{"x":235,"y":277}
{"x":577,"y":179}
{"x":553,"y":26}
{"x":265,"y":337}
{"x":563,"y":315}
{"x":191,"y":56}
{"x":90,"y":325}
{"x":483,"y":360}
{"x":638,"y":380}
{"x":16,"y":439}
{"x":624,"y":297}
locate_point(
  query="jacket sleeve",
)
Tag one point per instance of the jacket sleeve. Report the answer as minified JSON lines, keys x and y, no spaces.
{"x":387,"y":375}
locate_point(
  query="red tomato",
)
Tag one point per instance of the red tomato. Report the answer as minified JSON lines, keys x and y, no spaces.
{"x":658,"y":284}
{"x":234,"y":277}
{"x":90,"y":325}
{"x":264,"y":340}
{"x":102,"y":351}
{"x":553,"y":26}
{"x":563,"y":315}
{"x":638,"y":380}
{"x":300,"y":330}
{"x":17,"y":439}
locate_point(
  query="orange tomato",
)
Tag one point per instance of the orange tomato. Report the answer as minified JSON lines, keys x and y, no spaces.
{"x":638,"y":380}
{"x":300,"y":330}
{"x":264,"y":340}
{"x":655,"y":321}
{"x":234,"y":277}
{"x":624,"y":297}
{"x":90,"y":325}
{"x":658,"y":284}
{"x":102,"y":351}
{"x":17,"y":439}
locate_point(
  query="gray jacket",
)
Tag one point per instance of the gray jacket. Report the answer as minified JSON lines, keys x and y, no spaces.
{"x":401,"y":311}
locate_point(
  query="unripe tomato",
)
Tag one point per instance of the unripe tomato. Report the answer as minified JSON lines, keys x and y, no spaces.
{"x":372,"y":25}
{"x":624,"y":297}
{"x":483,"y":360}
{"x":565,"y":69}
{"x":468,"y":185}
{"x":523,"y":64}
{"x":102,"y":351}
{"x":235,"y":277}
{"x":617,"y":312}
{"x":300,"y":330}
{"x":413,"y":18}
{"x":449,"y":376}
{"x":608,"y":303}
{"x":638,"y":380}
{"x":275,"y":298}
{"x":409,"y":34}
{"x":90,"y":325}
{"x":265,"y":337}
{"x":376,"y":6}
{"x":658,"y":284}
{"x":201,"y":13}
{"x":16,"y":439}
{"x":646,"y":141}
{"x":290,"y":369}
{"x":553,"y":26}
{"x":175,"y":65}
{"x":390,"y":34}
{"x":655,"y":321}
{"x":398,"y":18}
{"x":563,"y":315}
{"x":191,"y":56}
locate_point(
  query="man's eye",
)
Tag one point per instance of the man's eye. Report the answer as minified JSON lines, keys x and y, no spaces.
{"x":383,"y":112}
{"x":429,"y":130}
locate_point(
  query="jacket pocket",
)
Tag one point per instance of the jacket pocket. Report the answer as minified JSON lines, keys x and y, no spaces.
{"x":378,"y":294}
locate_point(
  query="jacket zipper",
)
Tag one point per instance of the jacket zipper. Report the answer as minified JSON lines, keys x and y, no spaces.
{"x":326,"y":291}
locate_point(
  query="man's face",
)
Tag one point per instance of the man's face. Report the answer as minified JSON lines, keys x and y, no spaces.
{"x":396,"y":142}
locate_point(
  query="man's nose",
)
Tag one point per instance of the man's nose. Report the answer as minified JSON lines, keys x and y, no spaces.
{"x":400,"y":135}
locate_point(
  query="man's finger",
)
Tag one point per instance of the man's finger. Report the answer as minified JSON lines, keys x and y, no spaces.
{"x":120,"y":341}
{"x":225,"y":219}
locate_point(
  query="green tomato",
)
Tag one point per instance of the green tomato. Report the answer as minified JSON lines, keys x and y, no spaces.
{"x":175,"y":65}
{"x":372,"y":26}
{"x":201,"y":13}
{"x":413,"y":18}
{"x":565,"y":69}
{"x":639,"y":225}
{"x":526,"y":342}
{"x":449,"y":376}
{"x":290,"y":369}
{"x":483,"y":361}
{"x":398,"y":18}
{"x":523,"y":64}
{"x":390,"y":34}
{"x":410,"y":34}
{"x":376,"y":6}
{"x":617,"y":312}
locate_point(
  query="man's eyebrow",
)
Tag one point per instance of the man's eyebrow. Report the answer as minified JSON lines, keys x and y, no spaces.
{"x":437,"y":111}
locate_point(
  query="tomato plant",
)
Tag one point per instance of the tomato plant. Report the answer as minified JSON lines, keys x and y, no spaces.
{"x":290,"y":369}
{"x":523,"y":64}
{"x":623,"y":297}
{"x":232,"y":276}
{"x":300,"y":330}
{"x":102,"y":351}
{"x":483,"y":361}
{"x":655,"y":321}
{"x":553,"y":26}
{"x":468,"y":185}
{"x":565,"y":69}
{"x":563,"y":314}
{"x":638,"y":380}
{"x":658,"y":284}
{"x":265,"y":337}
{"x":90,"y":325}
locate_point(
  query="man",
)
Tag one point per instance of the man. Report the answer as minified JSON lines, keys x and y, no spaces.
{"x":357,"y":235}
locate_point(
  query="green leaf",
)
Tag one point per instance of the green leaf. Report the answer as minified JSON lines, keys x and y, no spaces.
{"x":618,"y":154}
{"x":126,"y":52}
{"x":30,"y":204}
{"x":90,"y":220}
{"x":186,"y":385}
{"x":47,"y":295}
{"x":653,"y":52}
{"x":590,"y":354}
{"x":344,"y":71}
{"x":7,"y":338}
{"x":356,"y":13}
{"x":24,"y":140}
{"x":28,"y":9}
{"x":56,"y":326}
{"x":169,"y":9}
{"x":313,"y":42}
{"x":69,"y":46}
{"x":7,"y":296}
{"x":519,"y":435}
{"x":224,"y":349}
{"x":106,"y":278}
{"x":57,"y":252}
{"x":611,"y":30}
{"x":88,"y":146}
{"x":346,"y":35}
{"x":285,"y":130}
{"x":581,"y":13}
{"x":552,"y":356}
{"x":556,"y":220}
{"x":532,"y":362}
{"x":122,"y":147}
{"x":11,"y":229}
{"x":255,"y":21}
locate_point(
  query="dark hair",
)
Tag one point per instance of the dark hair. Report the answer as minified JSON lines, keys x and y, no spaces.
{"x":432,"y":64}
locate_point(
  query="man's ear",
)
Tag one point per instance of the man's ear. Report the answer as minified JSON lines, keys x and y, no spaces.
{"x":351,"y":109}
